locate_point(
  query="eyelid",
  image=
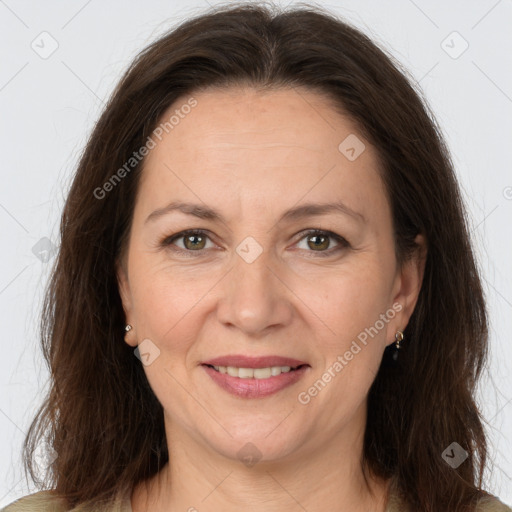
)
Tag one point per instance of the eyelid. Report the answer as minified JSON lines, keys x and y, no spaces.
{"x":341,"y":241}
{"x":168,"y":241}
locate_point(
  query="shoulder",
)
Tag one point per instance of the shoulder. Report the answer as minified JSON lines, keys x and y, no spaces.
{"x":42,"y":501}
{"x":486,"y":503}
{"x":490,"y":503}
{"x":48,"y":501}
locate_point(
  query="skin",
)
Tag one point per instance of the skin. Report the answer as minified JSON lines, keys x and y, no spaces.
{"x":251,"y":155}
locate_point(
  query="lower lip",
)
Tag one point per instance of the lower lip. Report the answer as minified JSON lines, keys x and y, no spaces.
{"x":255,"y":388}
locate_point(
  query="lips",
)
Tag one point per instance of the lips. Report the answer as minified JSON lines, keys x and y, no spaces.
{"x":241,"y":361}
{"x":288,"y":372}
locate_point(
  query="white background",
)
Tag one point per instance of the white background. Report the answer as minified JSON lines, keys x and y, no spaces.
{"x":48,"y":107}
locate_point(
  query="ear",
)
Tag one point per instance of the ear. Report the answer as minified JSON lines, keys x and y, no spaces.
{"x":125,"y":294}
{"x":408,"y":285}
{"x":124,"y":287}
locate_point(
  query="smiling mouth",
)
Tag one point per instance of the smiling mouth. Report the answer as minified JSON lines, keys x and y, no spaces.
{"x":261,"y":382}
{"x":254,"y":373}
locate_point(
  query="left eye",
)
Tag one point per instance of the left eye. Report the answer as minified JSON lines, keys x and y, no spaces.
{"x":195,"y":241}
{"x":319,"y":240}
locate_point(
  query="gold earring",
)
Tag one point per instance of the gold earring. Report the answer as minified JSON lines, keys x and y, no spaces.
{"x":399,"y":336}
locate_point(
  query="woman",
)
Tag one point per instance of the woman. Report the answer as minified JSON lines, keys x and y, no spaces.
{"x":268,"y":214}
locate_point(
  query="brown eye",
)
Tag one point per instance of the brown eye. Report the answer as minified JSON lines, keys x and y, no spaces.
{"x":318,"y":241}
{"x":192,"y":241}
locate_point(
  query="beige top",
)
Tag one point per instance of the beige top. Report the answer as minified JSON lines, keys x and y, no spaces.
{"x":44,"y":501}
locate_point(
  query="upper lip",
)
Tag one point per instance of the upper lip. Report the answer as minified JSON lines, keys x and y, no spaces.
{"x":241,"y":361}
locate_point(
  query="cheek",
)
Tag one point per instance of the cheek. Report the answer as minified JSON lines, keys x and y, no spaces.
{"x":167,"y":301}
{"x":159,"y":300}
{"x":351,"y":301}
{"x":352,"y":356}
{"x":360,"y":319}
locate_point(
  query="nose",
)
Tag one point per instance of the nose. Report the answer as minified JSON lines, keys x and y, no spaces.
{"x":255,"y":297}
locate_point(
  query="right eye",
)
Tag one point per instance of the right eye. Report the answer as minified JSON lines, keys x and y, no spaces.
{"x":194,"y":240}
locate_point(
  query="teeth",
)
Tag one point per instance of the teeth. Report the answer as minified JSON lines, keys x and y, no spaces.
{"x":232,"y":371}
{"x":253,"y":373}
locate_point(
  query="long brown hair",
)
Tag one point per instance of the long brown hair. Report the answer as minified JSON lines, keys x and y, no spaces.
{"x":101,"y":416}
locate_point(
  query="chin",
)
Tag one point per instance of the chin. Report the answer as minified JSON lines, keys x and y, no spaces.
{"x":253,"y":446}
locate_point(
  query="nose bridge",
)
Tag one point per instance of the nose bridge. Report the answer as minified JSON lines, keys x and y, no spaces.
{"x":254,"y":297}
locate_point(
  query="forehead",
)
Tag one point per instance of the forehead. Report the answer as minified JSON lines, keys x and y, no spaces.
{"x":280,"y":145}
{"x":295,"y":118}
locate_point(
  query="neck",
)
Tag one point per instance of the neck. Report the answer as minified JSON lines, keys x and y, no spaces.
{"x":326,"y":477}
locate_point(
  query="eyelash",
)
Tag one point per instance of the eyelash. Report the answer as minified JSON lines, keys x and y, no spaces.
{"x":342,"y":243}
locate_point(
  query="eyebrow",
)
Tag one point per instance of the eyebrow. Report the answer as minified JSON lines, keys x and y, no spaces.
{"x":297,"y":213}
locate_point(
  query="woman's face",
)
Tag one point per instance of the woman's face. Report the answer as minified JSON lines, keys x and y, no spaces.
{"x":254,"y":282}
